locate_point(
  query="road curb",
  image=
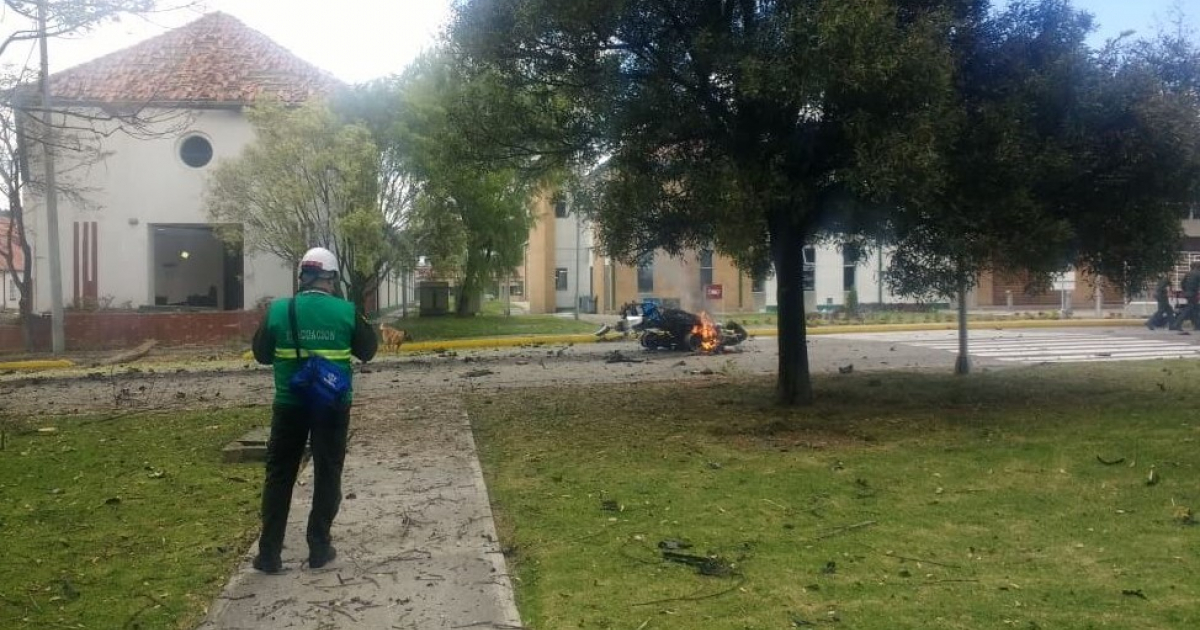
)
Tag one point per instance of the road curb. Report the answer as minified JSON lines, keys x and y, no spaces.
{"x":484,"y":343}
{"x":33,"y":365}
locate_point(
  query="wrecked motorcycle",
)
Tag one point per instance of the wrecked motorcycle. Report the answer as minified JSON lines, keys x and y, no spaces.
{"x":657,"y":327}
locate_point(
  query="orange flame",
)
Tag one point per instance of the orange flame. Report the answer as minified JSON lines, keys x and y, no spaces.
{"x":706,"y":330}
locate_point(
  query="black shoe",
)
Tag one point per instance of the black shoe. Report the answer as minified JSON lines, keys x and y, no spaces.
{"x":1151,"y":326}
{"x":318,"y":558}
{"x":270,"y":566}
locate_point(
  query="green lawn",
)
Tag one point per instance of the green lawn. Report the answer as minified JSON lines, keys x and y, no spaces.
{"x":450,"y":327}
{"x":126,"y":522}
{"x":1033,"y":498}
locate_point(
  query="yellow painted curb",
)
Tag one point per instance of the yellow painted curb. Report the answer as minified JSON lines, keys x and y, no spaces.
{"x":37,"y":364}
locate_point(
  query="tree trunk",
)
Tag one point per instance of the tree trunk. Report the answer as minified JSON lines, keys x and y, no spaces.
{"x":794,"y":385}
{"x":962,"y":365}
{"x":469,"y":287}
{"x":24,"y":279}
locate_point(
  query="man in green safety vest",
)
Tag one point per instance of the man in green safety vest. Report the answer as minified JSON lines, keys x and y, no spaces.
{"x":326,"y":326}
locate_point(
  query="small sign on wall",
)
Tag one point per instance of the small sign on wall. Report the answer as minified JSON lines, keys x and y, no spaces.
{"x":713,"y":291}
{"x":1063,"y":281}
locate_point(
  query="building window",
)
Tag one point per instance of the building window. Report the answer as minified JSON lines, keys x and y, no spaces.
{"x":706,"y":269}
{"x":517,"y":287}
{"x":196,"y":151}
{"x":645,"y":274}
{"x":850,"y":256}
{"x":560,"y":208}
{"x":560,"y":279}
{"x":758,"y":285}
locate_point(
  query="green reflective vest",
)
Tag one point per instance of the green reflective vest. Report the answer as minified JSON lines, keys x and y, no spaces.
{"x":326,"y":326}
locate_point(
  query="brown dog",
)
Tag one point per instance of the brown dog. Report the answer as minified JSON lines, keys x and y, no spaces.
{"x":393,"y":338}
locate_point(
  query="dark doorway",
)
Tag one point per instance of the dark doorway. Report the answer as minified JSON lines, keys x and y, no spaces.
{"x":194,"y":268}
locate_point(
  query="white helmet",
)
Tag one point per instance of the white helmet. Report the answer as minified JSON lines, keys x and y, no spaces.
{"x":319,"y":260}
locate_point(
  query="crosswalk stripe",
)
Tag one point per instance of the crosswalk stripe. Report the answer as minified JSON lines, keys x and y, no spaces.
{"x":1049,"y":347}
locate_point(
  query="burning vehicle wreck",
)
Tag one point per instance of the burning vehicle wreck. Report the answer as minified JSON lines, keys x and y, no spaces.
{"x":657,"y":327}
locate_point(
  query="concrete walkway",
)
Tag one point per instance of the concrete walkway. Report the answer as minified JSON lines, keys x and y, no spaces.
{"x":417,"y":547}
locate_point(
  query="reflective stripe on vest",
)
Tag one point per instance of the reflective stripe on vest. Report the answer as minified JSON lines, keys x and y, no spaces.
{"x":332,"y":355}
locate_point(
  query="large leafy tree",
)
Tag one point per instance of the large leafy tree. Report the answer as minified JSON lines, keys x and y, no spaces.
{"x":470,"y":214}
{"x":1058,"y":155}
{"x":751,"y":126}
{"x":309,"y":179}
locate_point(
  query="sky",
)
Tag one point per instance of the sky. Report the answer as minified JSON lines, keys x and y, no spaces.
{"x":366,"y":39}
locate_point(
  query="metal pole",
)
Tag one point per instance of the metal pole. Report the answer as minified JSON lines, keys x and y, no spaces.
{"x":57,"y":338}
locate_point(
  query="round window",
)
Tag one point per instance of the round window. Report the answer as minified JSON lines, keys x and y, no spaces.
{"x":196,"y":151}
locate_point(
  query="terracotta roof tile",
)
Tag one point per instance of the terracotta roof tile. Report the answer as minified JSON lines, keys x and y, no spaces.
{"x":215,"y":60}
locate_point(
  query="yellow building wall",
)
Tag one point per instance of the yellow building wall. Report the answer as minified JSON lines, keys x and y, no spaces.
{"x":676,"y":282}
{"x":538,"y":270}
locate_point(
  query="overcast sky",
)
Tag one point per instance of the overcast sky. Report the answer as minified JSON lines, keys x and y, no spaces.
{"x":358,"y":40}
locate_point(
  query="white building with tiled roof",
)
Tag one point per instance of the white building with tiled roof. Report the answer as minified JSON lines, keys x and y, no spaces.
{"x":133,"y":227}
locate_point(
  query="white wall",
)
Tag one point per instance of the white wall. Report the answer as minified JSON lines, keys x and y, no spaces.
{"x":576,"y":261}
{"x":140,"y":182}
{"x":829,"y":279}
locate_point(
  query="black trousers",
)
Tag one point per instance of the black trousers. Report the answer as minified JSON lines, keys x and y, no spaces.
{"x":1191,"y":313}
{"x":1164,"y":316}
{"x":292,"y":427}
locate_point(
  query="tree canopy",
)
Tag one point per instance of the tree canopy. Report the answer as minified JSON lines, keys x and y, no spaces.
{"x":748,"y":127}
{"x":470,"y":213}
{"x":1058,"y":155}
{"x":309,"y":179}
{"x":969,"y":139}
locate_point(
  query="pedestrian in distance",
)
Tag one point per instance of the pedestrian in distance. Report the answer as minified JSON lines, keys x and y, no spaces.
{"x":1165,"y":314}
{"x":1190,"y":285}
{"x":308,"y":339}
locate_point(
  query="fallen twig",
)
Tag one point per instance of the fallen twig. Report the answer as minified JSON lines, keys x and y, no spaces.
{"x":841,"y":530}
{"x":937,"y":564}
{"x":694,"y":598}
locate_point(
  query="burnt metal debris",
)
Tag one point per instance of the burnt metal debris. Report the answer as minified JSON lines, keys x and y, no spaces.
{"x":661,"y":328}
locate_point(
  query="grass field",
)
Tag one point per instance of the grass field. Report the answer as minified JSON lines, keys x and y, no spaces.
{"x":127,"y":522}
{"x":451,"y":327}
{"x":1031,"y":498}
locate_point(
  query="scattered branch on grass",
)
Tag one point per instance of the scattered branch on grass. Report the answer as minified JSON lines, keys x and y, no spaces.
{"x":1107,"y":462}
{"x":587,"y":537}
{"x":154,"y":601}
{"x":624,"y":552}
{"x":694,"y":598}
{"x":705,"y":565}
{"x":936,"y":564}
{"x":841,"y":530}
{"x":933,"y":582}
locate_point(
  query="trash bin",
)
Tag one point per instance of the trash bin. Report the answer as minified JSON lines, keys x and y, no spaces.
{"x":434,"y":298}
{"x":587,"y":304}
